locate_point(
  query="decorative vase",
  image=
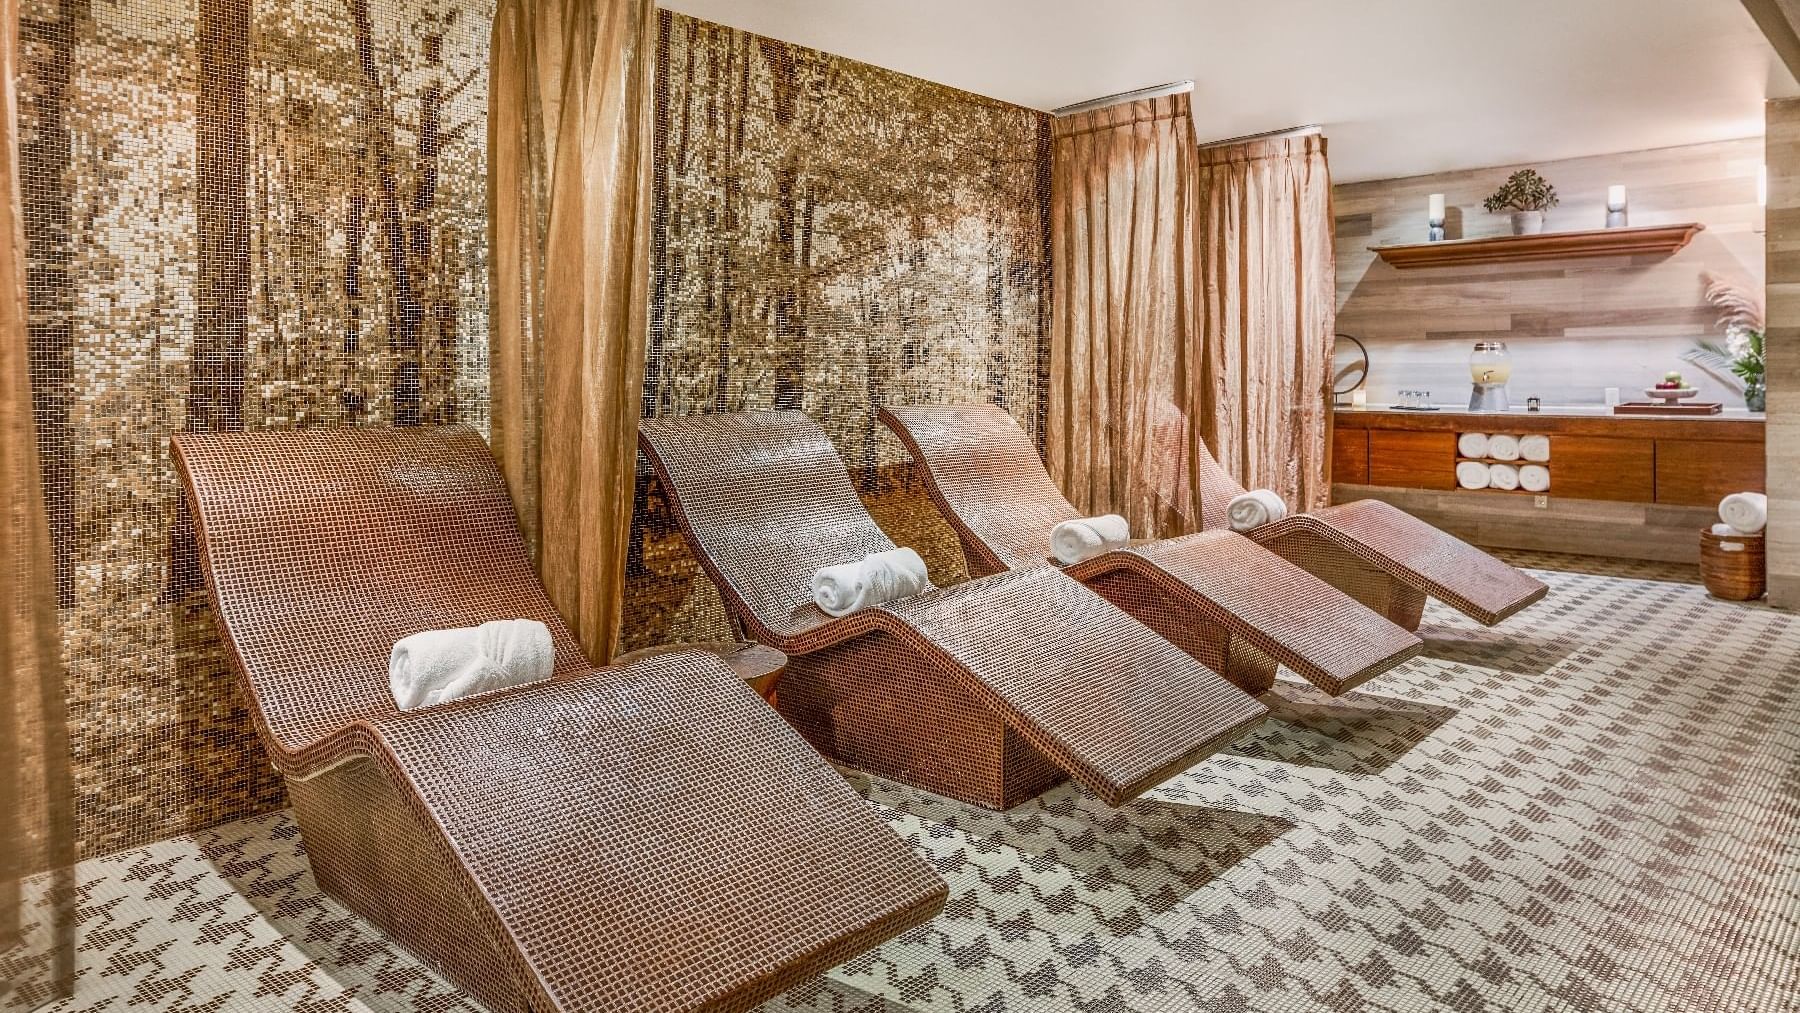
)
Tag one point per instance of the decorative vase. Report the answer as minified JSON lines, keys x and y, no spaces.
{"x":1755,"y":396}
{"x":1527,"y":223}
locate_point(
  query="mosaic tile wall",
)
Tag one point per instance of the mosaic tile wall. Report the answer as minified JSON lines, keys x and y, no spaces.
{"x":832,"y":236}
{"x":241,"y":214}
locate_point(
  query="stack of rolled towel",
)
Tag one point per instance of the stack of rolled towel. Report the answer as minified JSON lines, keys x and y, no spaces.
{"x":1499,"y":464}
{"x":1076,"y":540}
{"x":1742,"y":514}
{"x":876,"y":578}
{"x":438,"y":666}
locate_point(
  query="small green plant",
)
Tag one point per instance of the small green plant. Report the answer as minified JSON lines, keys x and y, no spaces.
{"x":1524,"y":190}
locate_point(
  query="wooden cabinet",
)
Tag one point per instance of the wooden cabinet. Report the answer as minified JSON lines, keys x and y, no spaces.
{"x":1615,"y":468}
{"x":1702,"y":472}
{"x":1412,"y":460}
{"x":1350,"y":456}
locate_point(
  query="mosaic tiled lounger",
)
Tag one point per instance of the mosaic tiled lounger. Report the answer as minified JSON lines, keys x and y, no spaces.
{"x":992,"y":486}
{"x":989,"y":692}
{"x":648,"y":838}
{"x":1230,"y":603}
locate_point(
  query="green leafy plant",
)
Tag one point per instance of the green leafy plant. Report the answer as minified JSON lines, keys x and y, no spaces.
{"x":1741,"y":318}
{"x":1524,"y":190}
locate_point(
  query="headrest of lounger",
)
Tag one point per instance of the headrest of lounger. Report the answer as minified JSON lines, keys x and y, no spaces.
{"x":322,"y":547}
{"x":765,"y":501}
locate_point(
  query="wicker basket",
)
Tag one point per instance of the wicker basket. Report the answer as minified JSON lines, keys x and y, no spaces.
{"x":1732,"y":565}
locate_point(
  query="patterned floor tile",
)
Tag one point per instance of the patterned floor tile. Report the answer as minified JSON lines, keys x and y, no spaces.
{"x":1591,"y":808}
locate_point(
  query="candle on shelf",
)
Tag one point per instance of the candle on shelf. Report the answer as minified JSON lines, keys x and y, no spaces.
{"x":1434,"y":215}
{"x":1359,"y":398}
{"x":1615,"y":206}
{"x":1437,"y":207}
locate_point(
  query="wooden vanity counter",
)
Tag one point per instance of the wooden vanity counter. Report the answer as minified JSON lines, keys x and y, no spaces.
{"x":1633,"y":485}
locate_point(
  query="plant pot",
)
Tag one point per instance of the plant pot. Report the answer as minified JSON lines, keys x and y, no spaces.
{"x":1756,"y":396}
{"x":1527,"y":223}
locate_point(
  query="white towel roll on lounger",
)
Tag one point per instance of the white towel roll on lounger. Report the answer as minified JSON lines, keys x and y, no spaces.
{"x":1076,"y":540}
{"x":438,"y":666}
{"x":1254,"y":509}
{"x":877,"y":577}
{"x":1472,"y":444}
{"x":1472,"y":475}
{"x":1503,"y":476}
{"x":1534,"y":478}
{"x":1748,"y":512}
{"x":1535,"y":447}
{"x":1503,"y":447}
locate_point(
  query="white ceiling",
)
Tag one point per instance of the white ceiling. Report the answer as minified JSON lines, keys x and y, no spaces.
{"x":1401,"y":86}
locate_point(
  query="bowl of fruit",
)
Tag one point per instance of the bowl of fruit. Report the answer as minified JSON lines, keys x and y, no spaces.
{"x":1672,"y":388}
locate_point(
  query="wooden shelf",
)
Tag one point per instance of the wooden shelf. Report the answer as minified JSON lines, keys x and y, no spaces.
{"x":1646,"y":240}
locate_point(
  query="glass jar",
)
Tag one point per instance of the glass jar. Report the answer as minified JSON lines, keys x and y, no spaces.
{"x":1490,"y":364}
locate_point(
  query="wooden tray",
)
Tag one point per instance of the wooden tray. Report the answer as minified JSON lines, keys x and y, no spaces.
{"x":1665,"y":408}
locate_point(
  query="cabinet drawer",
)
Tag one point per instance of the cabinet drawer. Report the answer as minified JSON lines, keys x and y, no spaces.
{"x":1350,"y":456}
{"x":1412,"y":460}
{"x":1603,"y":467}
{"x":1702,"y":472}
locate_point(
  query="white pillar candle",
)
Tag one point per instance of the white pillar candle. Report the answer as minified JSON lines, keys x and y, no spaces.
{"x":1359,"y":398}
{"x":1436,"y":212}
{"x":1615,"y":197}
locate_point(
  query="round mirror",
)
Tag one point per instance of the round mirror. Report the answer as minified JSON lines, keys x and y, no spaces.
{"x":1349,"y":365}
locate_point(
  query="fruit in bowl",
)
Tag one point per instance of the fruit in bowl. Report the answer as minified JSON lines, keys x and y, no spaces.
{"x":1672,"y":388}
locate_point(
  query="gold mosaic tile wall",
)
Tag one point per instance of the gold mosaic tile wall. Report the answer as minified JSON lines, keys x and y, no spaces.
{"x":241,"y":214}
{"x":272,"y":214}
{"x":832,"y":236}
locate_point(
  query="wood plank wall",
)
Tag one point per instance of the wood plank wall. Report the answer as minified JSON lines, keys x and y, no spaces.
{"x":1575,"y":327}
{"x":1783,"y":548}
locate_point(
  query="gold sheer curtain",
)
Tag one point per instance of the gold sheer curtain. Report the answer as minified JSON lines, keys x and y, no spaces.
{"x":569,"y":142}
{"x":1267,"y":305}
{"x":1121,"y":252}
{"x":36,"y":835}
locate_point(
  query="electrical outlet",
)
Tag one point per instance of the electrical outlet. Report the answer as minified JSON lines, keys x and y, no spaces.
{"x":1541,"y":502}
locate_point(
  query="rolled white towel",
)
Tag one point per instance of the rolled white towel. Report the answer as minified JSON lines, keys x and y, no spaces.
{"x":438,"y":666}
{"x":1725,"y":530}
{"x":1534,"y":478}
{"x":1503,"y":476}
{"x":1503,"y":447}
{"x":1748,"y":512}
{"x":1076,"y":540}
{"x":1254,"y":509}
{"x":1472,"y":444}
{"x":877,"y":577}
{"x":1472,"y":475}
{"x":1535,"y":447}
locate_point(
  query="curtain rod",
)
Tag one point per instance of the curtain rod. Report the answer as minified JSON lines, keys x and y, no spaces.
{"x":1155,"y":91}
{"x":1310,"y":128}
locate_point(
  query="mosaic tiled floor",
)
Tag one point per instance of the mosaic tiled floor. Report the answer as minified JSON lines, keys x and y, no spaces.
{"x":1593,"y":808}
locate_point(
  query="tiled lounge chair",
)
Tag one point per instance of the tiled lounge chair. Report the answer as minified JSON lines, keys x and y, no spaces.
{"x":1380,"y":555}
{"x":990,"y":691}
{"x":649,"y":838}
{"x":1232,"y":604}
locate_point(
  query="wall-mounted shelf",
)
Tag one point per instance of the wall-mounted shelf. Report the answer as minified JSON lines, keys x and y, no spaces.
{"x":1651,"y":240}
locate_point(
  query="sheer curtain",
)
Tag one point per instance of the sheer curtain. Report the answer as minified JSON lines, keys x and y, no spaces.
{"x":36,"y":835}
{"x":569,"y":140}
{"x":1117,"y":435}
{"x":1267,"y":305}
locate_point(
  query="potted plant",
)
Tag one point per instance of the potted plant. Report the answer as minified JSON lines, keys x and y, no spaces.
{"x":1741,"y":318}
{"x":1527,"y":195}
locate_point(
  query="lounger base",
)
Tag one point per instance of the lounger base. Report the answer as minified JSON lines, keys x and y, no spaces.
{"x":1212,"y":644}
{"x":1382,"y":592}
{"x":872,"y":704}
